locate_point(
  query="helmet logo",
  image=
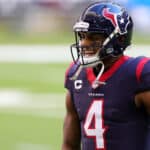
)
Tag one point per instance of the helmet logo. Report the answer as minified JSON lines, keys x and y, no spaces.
{"x":119,"y":21}
{"x":110,"y":16}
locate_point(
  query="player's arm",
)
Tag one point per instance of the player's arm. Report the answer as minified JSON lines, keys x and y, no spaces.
{"x":143,"y":99}
{"x":71,"y":130}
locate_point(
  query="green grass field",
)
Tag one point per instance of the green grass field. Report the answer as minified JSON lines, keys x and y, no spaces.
{"x":33,"y":77}
{"x":56,"y":37}
{"x":17,"y":129}
{"x":35,"y":128}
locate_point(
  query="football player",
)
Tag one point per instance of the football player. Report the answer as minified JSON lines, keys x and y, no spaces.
{"x":108,"y":96}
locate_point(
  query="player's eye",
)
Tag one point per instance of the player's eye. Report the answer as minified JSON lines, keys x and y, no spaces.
{"x":95,"y":36}
{"x":82,"y":35}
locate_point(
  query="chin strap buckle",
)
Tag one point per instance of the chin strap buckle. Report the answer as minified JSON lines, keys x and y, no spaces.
{"x":97,"y":83}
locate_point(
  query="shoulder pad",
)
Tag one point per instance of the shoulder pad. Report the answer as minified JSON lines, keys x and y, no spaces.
{"x":72,"y":69}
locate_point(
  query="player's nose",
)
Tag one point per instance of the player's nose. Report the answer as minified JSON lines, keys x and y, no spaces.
{"x":87,"y":47}
{"x":85,"y":42}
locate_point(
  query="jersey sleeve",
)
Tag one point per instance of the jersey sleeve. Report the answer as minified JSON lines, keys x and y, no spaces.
{"x":143,"y":75}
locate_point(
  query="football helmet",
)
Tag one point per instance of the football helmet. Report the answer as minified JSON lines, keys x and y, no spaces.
{"x":108,"y":19}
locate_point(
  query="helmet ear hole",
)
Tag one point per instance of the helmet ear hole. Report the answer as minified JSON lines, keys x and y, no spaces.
{"x":121,"y":40}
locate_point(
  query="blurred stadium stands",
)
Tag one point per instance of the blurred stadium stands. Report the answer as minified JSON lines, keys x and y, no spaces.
{"x":42,"y":16}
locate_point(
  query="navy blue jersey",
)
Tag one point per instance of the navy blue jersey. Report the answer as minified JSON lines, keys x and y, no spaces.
{"x":109,"y":118}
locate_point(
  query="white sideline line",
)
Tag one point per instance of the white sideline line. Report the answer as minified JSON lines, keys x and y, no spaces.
{"x":40,"y":105}
{"x":15,"y":98}
{"x":28,"y":146}
{"x":47,"y":53}
{"x":34,"y":53}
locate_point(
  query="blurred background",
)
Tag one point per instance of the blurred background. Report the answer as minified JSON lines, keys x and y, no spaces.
{"x":35,"y":36}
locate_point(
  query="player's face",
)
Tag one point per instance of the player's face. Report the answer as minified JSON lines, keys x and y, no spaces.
{"x":90,"y":43}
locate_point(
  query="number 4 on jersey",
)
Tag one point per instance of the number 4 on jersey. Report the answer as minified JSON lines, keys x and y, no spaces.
{"x":95,"y":117}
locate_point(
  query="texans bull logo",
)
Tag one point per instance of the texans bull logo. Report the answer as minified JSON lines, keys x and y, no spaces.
{"x":119,"y":21}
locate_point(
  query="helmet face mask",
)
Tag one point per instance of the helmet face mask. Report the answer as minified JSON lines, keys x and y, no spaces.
{"x":109,"y":20}
{"x":87,"y":54}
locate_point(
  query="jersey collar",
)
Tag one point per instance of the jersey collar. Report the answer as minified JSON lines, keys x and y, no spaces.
{"x":106,"y":75}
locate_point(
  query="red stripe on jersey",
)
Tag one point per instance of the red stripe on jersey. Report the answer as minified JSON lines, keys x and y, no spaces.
{"x":106,"y":75}
{"x":140,"y":67}
{"x":90,"y":75}
{"x":71,"y":64}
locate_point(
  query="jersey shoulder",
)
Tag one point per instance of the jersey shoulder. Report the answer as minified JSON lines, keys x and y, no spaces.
{"x":142,"y":66}
{"x":134,"y":67}
{"x":71,"y":70}
{"x":73,"y":67}
{"x":137,"y":62}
